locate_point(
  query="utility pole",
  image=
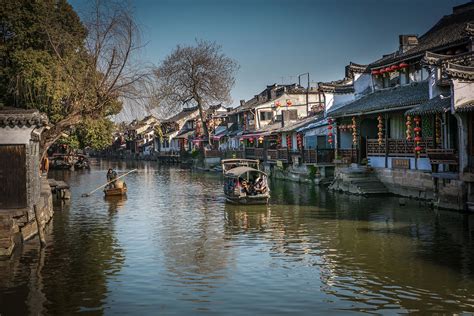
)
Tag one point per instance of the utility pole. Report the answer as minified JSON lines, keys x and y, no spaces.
{"x":307,"y":90}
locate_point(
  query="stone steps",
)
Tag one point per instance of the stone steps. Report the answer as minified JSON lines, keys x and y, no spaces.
{"x":360,"y":181}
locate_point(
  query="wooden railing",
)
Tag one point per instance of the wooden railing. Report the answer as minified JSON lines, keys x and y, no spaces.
{"x":319,"y":155}
{"x":259,"y":153}
{"x":250,"y":152}
{"x":272,"y":154}
{"x":283,"y":154}
{"x":398,"y":147}
{"x":233,"y":154}
{"x":213,"y":153}
{"x":348,"y":155}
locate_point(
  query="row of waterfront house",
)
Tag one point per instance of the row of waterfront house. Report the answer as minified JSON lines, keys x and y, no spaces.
{"x":407,"y":118}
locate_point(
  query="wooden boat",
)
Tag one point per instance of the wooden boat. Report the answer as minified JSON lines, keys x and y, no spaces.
{"x":81,"y":163}
{"x":243,"y":183}
{"x":60,"y":162}
{"x":116,"y":191}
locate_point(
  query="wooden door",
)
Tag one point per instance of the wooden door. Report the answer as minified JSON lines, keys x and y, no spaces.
{"x":12,"y":176}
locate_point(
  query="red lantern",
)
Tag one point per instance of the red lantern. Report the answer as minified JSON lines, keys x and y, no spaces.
{"x":375,"y":72}
{"x":288,"y":102}
{"x":417,"y":130}
{"x":330,"y":140}
{"x":299,"y":140}
{"x":288,"y":141}
{"x":394,"y":67}
{"x":388,"y":69}
{"x":330,"y":127}
{"x":382,"y":71}
{"x":408,"y":130}
{"x":403,"y":65}
{"x":277,"y":104}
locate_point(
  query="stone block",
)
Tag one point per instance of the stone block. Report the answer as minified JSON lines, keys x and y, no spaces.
{"x":29,"y":230}
{"x":5,"y":242}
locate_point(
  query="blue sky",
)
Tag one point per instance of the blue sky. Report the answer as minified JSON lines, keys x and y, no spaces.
{"x":275,"y":40}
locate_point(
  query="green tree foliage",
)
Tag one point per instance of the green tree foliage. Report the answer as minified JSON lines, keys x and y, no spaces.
{"x":72,"y":70}
{"x":33,"y":74}
{"x":71,"y":141}
{"x":96,"y":134}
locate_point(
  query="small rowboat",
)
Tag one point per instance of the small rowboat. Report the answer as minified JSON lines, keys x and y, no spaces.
{"x":116,"y":191}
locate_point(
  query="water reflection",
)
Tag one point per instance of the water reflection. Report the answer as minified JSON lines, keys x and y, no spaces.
{"x":115,"y":203}
{"x":174,"y":246}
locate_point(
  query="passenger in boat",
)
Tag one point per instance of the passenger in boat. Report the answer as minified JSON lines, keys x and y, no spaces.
{"x":260,"y":186}
{"x":245,"y":185}
{"x":111,"y":176}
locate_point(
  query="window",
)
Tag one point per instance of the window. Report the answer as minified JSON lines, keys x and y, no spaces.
{"x":290,"y":115}
{"x":265,"y":116}
{"x":397,"y":127}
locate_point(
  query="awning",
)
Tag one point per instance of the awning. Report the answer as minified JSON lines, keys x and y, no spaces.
{"x":217,"y":137}
{"x":256,"y":135}
{"x":318,"y":131}
{"x":198,"y":140}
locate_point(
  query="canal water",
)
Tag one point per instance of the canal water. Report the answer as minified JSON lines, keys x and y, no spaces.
{"x":173,"y":246}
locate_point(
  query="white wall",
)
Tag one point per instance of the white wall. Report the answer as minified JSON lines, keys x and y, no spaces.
{"x":334,"y":101}
{"x":16,"y":135}
{"x":463,"y":91}
{"x":362,"y":83}
{"x":298,"y":103}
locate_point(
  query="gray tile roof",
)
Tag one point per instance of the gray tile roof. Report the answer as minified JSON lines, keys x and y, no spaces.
{"x":450,"y":31}
{"x":386,"y":99}
{"x":184,"y":113}
{"x":432,"y":106}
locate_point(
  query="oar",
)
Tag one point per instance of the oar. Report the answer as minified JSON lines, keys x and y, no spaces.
{"x":123,"y":175}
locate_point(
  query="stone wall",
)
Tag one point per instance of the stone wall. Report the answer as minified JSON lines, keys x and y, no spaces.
{"x":302,"y":173}
{"x":19,"y":225}
{"x":420,"y":184}
{"x":409,"y":183}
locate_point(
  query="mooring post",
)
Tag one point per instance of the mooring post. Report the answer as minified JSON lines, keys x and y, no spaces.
{"x":40,"y":229}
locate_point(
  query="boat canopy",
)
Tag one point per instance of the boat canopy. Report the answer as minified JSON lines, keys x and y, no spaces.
{"x":228,"y":164}
{"x":241,"y":170}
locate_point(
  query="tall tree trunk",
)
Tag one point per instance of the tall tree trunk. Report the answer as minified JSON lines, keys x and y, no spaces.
{"x":203,"y":119}
{"x":50,"y":136}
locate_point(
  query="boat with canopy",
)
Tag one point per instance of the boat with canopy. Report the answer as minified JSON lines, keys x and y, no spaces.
{"x":244,"y":183}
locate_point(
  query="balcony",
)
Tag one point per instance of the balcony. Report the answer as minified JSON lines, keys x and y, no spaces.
{"x":398,"y":147}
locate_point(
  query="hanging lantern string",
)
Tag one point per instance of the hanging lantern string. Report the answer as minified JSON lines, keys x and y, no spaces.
{"x":380,"y":127}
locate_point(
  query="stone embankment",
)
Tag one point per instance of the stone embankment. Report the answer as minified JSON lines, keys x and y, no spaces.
{"x":19,"y":225}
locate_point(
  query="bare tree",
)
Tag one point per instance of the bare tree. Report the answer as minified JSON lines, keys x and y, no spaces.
{"x":197,"y":75}
{"x":105,"y":70}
